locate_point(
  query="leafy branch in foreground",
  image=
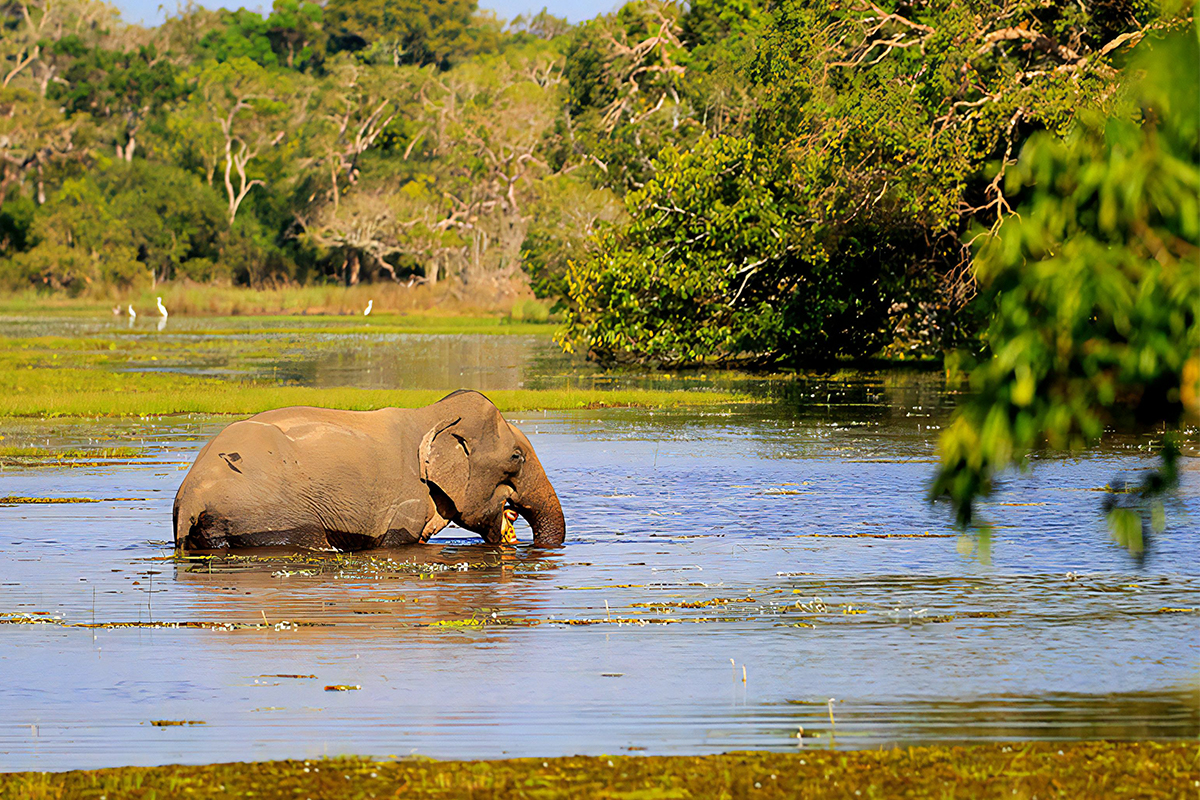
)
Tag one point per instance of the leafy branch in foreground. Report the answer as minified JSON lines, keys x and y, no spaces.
{"x":1096,"y":290}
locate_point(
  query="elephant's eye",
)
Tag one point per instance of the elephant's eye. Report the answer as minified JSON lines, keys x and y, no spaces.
{"x":518,"y":456}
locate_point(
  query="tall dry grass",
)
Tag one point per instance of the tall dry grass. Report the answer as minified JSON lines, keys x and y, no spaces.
{"x":192,"y":299}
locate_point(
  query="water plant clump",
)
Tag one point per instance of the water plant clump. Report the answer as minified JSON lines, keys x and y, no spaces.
{"x":341,"y":565}
{"x":1079,"y":771}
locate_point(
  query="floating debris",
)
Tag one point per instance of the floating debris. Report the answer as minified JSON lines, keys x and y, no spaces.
{"x":483,"y":618}
{"x":284,"y":675}
{"x":13,"y":500}
{"x":638,"y":621}
{"x":167,"y":723}
{"x":716,"y":601}
{"x":342,"y":687}
{"x":42,"y":618}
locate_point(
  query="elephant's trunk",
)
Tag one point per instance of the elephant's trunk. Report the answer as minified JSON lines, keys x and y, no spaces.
{"x":543,"y":512}
{"x":536,"y":500}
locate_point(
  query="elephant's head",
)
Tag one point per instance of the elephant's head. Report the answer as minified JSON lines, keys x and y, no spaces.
{"x":472,"y":457}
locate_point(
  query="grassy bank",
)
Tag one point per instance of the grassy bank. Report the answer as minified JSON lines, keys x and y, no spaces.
{"x":1012,"y":771}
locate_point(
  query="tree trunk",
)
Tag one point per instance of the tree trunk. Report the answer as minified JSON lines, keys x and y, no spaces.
{"x":352,"y":268}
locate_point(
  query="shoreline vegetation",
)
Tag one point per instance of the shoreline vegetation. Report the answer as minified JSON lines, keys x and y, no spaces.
{"x":1019,"y":770}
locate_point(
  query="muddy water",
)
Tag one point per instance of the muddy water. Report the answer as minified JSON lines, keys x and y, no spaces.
{"x":732,"y":579}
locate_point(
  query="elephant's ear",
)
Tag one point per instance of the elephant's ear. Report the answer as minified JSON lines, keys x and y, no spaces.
{"x":444,"y":461}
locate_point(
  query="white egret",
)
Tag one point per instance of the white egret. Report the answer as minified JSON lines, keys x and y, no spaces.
{"x":161,"y":308}
{"x":367,"y":310}
{"x":132,"y":313}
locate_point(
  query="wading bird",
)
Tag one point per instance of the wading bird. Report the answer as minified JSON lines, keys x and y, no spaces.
{"x":367,"y":310}
{"x":161,"y":308}
{"x":132,"y":313}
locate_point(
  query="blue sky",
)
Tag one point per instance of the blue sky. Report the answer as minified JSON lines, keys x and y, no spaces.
{"x":148,"y":12}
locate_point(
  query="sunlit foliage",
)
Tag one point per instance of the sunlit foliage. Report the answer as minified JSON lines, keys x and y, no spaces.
{"x":1095,"y":286}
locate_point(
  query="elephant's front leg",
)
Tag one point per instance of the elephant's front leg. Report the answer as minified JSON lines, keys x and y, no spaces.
{"x":415,"y":521}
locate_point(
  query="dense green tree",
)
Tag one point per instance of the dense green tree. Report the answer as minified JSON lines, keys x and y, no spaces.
{"x":119,"y":90}
{"x":79,"y":242}
{"x":237,"y":113}
{"x":172,"y":217}
{"x":713,"y":264}
{"x":406,"y":31}
{"x":1095,"y":284}
{"x":239,"y":34}
{"x":880,"y":136}
{"x":296,"y":31}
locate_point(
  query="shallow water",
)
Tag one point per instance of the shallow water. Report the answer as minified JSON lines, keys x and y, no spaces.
{"x":792,"y":539}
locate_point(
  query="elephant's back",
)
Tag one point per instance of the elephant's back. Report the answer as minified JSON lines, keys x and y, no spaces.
{"x":241,"y":484}
{"x":339,"y":468}
{"x":327,"y":443}
{"x":298,"y":422}
{"x":245,"y":459}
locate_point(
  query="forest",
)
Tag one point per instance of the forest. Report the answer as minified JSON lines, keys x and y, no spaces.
{"x":719,"y":181}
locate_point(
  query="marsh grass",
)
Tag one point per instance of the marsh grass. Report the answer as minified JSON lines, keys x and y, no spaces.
{"x":13,"y":454}
{"x":1019,"y":771}
{"x":79,"y":393}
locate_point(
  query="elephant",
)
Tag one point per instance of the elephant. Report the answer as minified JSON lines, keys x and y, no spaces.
{"x":323,"y":479}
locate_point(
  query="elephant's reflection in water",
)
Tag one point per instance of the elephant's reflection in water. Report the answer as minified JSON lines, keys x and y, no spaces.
{"x":392,"y":591}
